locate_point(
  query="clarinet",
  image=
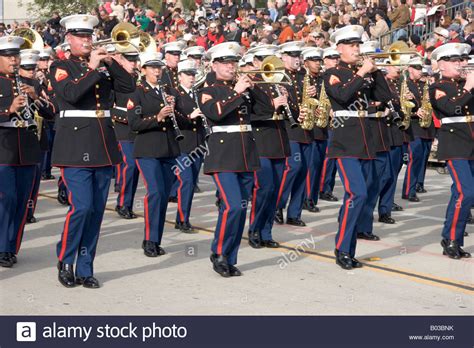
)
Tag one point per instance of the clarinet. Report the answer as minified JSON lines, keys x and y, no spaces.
{"x":205,"y":124}
{"x":286,"y":108}
{"x":23,"y":123}
{"x":179,"y":136}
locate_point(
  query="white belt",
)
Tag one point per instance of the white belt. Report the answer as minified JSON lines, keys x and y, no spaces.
{"x":232,"y":129}
{"x":347,"y":113}
{"x":120,"y":108}
{"x":85,"y":113}
{"x":459,"y":119}
{"x":17,"y":124}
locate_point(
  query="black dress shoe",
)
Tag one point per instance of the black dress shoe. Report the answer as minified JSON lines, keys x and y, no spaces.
{"x":47,"y":177}
{"x":368,"y":236}
{"x":451,"y":248}
{"x":386,"y":219}
{"x":344,"y":260}
{"x":295,"y":222}
{"x":31,"y":220}
{"x":413,"y":198}
{"x":173,"y":199}
{"x":470,"y":220}
{"x":328,"y":196}
{"x":62,"y":197}
{"x":149,"y":248}
{"x":255,"y":241}
{"x":197,"y":189}
{"x":12,"y":257}
{"x":234,"y":271}
{"x":125,"y":212}
{"x":420,"y":189}
{"x":356,"y":263}
{"x":279,"y":217}
{"x":66,"y":275}
{"x":270,"y":244}
{"x":466,"y":234}
{"x":220,"y":266}
{"x":88,"y":282}
{"x":218,"y":202}
{"x":310,"y":206}
{"x":160,"y":250}
{"x":185,"y":227}
{"x":5,"y":260}
{"x":396,"y":207}
{"x":464,"y":253}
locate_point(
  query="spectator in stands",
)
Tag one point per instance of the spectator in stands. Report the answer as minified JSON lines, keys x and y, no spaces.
{"x":400,"y":17}
{"x":454,"y":33}
{"x":445,"y":21}
{"x":441,"y":35}
{"x":287,"y":33}
{"x":379,"y":28}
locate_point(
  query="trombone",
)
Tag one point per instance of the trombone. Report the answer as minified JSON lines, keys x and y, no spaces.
{"x":272,"y":70}
{"x":394,"y":53}
{"x":123,"y":36}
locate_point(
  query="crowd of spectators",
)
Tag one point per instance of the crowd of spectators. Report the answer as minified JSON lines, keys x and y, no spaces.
{"x":277,"y":21}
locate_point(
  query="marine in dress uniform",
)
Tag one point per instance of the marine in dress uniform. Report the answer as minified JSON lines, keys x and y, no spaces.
{"x":172,"y":52}
{"x":375,"y":170}
{"x":233,"y":156}
{"x":43,"y":76}
{"x":149,"y":112}
{"x":19,"y":150}
{"x":294,"y":175}
{"x":312,"y":58}
{"x":268,"y":125}
{"x":418,"y":149}
{"x":44,"y":111}
{"x":328,"y":173}
{"x":386,"y":202}
{"x":195,"y":54}
{"x":453,"y":104}
{"x":351,"y":144}
{"x":85,"y":147}
{"x":193,"y":146}
{"x":127,"y":173}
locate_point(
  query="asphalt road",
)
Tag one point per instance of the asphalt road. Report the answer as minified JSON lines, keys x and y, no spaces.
{"x":404,"y":274}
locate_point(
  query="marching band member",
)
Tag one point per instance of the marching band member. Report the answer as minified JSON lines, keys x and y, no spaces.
{"x":351,"y":143}
{"x":28,"y":63}
{"x":84,"y":86}
{"x":312,"y":58}
{"x":195,"y":54}
{"x":328,"y":173}
{"x":375,"y":171}
{"x":268,"y":125}
{"x":300,"y":142}
{"x":172,"y":52}
{"x":149,"y":113}
{"x":453,"y":103}
{"x":127,"y":172}
{"x":193,"y":146}
{"x":226,"y":104}
{"x":20,"y":151}
{"x":419,"y":149}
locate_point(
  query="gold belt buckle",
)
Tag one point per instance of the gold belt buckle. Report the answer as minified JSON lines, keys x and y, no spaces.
{"x":468,"y":118}
{"x":243,"y":127}
{"x":20,"y":123}
{"x":378,"y":114}
{"x":361,"y":113}
{"x":100,"y":113}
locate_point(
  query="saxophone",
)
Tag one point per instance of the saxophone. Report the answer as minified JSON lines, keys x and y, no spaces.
{"x":324,"y":106}
{"x":308,"y":103}
{"x":406,"y":105}
{"x":425,"y":122}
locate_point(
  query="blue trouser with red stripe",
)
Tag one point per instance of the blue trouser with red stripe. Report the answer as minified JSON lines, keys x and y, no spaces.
{"x":462,"y":199}
{"x":294,"y":179}
{"x":426,"y":146}
{"x":183,"y":187}
{"x":265,"y":194}
{"x":353,"y":180}
{"x":46,"y":163}
{"x":234,"y":189}
{"x":376,"y":173}
{"x":414,"y":166}
{"x":387,"y":191}
{"x":315,"y":168}
{"x":128,"y":179}
{"x":88,"y":191}
{"x":157,"y":174}
{"x":34,"y":194}
{"x":328,"y":172}
{"x":16,"y":186}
